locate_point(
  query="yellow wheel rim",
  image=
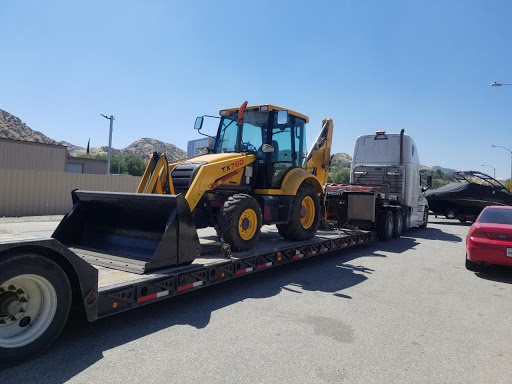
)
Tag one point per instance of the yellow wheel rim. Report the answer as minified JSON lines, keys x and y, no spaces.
{"x":307,"y":212}
{"x":247,"y":224}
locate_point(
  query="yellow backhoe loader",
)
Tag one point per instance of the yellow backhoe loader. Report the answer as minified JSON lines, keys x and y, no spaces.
{"x":259,"y":172}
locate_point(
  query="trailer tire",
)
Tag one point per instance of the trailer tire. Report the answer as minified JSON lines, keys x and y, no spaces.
{"x":304,"y":215}
{"x":398,"y":225}
{"x":385,"y":225}
{"x":239,"y":222}
{"x":450,"y":214}
{"x":35,"y":300}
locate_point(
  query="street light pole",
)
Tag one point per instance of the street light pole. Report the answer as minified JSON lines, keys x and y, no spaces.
{"x":496,"y":84}
{"x":499,"y":146}
{"x":485,"y":165}
{"x":111,"y":118}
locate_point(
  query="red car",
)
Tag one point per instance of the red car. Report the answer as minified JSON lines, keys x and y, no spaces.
{"x":489,"y":240}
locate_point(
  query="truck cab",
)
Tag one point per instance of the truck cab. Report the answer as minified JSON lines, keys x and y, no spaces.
{"x":391,"y":161}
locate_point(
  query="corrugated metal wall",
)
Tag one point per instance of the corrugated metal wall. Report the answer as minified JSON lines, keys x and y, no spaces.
{"x":33,"y":193}
{"x":32,"y":156}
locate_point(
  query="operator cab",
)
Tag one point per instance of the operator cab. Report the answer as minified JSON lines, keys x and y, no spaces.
{"x":276,"y":136}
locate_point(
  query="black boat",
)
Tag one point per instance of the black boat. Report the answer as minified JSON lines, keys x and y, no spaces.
{"x":465,"y":199}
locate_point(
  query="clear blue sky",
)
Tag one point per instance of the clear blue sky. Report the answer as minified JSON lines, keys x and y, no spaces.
{"x":424,"y":66}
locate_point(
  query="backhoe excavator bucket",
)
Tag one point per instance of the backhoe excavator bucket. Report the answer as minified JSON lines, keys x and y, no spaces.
{"x":131,"y":231}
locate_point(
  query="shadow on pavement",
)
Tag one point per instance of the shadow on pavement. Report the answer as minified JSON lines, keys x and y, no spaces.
{"x":432,"y":234}
{"x":450,"y":222}
{"x":498,"y":273}
{"x":82,"y":344}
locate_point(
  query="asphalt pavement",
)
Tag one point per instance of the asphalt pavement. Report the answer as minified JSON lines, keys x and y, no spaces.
{"x":406,"y":311}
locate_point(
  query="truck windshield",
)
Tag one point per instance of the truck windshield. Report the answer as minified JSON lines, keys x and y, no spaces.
{"x":251,"y":139}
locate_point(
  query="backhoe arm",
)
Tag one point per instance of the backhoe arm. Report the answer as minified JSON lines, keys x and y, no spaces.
{"x":319,"y":157}
{"x":156,"y":178}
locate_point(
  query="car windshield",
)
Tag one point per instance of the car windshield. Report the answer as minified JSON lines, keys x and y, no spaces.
{"x":253,"y":130}
{"x":496,"y":216}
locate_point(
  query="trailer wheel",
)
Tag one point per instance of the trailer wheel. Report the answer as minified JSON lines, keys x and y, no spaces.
{"x":385,"y":225}
{"x":35,"y":299}
{"x":450,"y":214}
{"x":239,"y":222}
{"x":304,"y":215}
{"x":398,"y":226}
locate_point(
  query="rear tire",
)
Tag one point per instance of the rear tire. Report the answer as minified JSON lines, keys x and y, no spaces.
{"x":35,"y":299}
{"x":304,"y":215}
{"x":398,"y":225}
{"x":239,"y":222}
{"x":385,"y":224}
{"x":450,"y":214}
{"x":472,"y":265}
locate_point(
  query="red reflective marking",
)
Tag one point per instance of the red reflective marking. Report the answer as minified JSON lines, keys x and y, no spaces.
{"x":147,"y":298}
{"x":185,"y":287}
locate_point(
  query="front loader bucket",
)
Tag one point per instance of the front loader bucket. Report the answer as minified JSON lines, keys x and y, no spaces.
{"x":131,"y":231}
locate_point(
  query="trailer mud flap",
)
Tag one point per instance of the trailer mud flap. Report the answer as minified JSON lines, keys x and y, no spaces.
{"x":156,"y":231}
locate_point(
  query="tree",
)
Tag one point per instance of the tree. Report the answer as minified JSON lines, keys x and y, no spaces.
{"x":339,"y":174}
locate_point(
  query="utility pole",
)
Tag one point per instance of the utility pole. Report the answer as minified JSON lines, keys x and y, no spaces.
{"x":111,"y":118}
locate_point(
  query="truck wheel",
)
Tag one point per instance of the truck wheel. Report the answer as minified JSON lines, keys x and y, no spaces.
{"x":407,"y":221}
{"x":239,"y":222}
{"x":450,"y":214}
{"x":304,"y":215}
{"x":425,"y":219}
{"x":385,"y":225}
{"x":398,"y":226}
{"x":35,"y":299}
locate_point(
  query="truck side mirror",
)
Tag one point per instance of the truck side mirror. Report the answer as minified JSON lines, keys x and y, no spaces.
{"x":429,"y":181}
{"x":282,"y":117}
{"x":199,"y":123}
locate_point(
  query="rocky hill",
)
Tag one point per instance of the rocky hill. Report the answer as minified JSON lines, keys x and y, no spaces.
{"x":142,"y":148}
{"x":342,"y":159}
{"x":11,"y":127}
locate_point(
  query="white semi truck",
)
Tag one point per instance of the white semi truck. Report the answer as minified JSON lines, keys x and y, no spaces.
{"x":385,"y":193}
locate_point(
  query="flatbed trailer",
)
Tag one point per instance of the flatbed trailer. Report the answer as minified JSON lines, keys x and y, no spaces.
{"x":103,"y":289}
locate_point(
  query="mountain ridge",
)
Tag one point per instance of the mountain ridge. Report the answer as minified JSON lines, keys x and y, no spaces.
{"x":11,"y":127}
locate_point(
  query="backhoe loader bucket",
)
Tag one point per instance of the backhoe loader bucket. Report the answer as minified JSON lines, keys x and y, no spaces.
{"x":135,"y":232}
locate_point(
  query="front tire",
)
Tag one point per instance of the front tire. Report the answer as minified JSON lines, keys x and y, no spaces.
{"x":425,"y":219}
{"x":239,"y":222}
{"x":304,"y":215}
{"x":35,"y":299}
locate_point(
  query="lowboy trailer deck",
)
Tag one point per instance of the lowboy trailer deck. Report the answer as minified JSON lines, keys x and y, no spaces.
{"x":104,"y":289}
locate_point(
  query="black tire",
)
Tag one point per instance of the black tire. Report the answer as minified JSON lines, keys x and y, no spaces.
{"x":450,"y":214}
{"x":385,"y":224}
{"x":407,"y":221}
{"x":425,"y":219}
{"x":294,"y":229}
{"x":230,"y":216}
{"x":398,"y":225}
{"x":43,"y":274}
{"x":472,"y":266}
{"x":462,"y":219}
